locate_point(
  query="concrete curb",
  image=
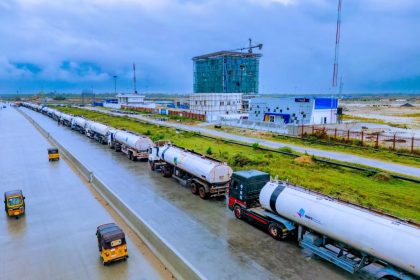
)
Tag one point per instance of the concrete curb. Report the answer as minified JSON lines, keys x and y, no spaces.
{"x":168,"y":255}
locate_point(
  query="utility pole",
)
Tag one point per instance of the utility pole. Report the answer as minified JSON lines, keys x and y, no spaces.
{"x":336,"y":55}
{"x":115,"y":83}
{"x":337,"y":45}
{"x":134,"y":78}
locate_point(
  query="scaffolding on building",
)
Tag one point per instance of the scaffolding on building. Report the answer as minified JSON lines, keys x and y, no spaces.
{"x":226,"y":72}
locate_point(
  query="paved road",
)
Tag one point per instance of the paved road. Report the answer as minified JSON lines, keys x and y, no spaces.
{"x":56,"y":238}
{"x":204,"y":232}
{"x":388,"y":166}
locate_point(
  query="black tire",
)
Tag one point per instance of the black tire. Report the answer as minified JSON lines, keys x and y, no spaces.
{"x":237,"y":210}
{"x":167,"y":172}
{"x":277,"y":231}
{"x":194,"y":188}
{"x":202,"y":192}
{"x":152,"y":165}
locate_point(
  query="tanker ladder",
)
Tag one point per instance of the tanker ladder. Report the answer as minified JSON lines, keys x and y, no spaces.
{"x":350,"y":260}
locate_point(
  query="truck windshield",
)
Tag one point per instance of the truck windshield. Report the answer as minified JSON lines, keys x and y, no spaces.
{"x":14,"y":201}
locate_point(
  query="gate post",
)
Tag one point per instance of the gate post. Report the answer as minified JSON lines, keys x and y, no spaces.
{"x":393,"y":142}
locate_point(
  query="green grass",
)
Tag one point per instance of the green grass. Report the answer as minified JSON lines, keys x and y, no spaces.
{"x":397,"y":197}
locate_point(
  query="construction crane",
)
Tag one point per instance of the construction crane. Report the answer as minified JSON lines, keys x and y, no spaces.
{"x":337,"y":45}
{"x":250,"y":47}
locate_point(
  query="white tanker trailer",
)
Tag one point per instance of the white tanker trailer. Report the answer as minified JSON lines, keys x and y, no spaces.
{"x":133,"y":145}
{"x":56,"y":115}
{"x":66,"y":119}
{"x":50,"y":112}
{"x":205,"y":176}
{"x":347,"y":235}
{"x":44,"y":109}
{"x":79,"y":124}
{"x":98,"y":131}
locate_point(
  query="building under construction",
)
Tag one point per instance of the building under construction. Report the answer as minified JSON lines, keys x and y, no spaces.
{"x":226,"y":72}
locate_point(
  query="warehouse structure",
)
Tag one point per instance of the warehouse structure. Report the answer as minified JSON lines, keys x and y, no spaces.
{"x":226,"y":72}
{"x":294,"y":110}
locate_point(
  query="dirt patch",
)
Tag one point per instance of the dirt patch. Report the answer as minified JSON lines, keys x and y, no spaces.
{"x":304,"y":160}
{"x":382,"y":177}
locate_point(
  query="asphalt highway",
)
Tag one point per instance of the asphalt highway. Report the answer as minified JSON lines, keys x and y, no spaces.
{"x":204,"y":232}
{"x":56,"y":238}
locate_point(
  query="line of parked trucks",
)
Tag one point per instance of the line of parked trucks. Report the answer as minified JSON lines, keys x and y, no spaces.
{"x":350,"y":236}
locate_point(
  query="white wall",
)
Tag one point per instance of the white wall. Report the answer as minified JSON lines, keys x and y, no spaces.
{"x":325,"y":116}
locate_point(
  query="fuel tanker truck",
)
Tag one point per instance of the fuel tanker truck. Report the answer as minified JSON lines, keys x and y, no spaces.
{"x":350,"y":236}
{"x":98,"y":131}
{"x":133,"y":145}
{"x":205,"y":176}
{"x":79,"y":124}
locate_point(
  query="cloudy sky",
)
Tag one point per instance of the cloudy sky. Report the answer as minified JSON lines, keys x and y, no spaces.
{"x":71,"y":45}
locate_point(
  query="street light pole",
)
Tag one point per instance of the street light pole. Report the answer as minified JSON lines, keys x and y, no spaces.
{"x":115,"y":84}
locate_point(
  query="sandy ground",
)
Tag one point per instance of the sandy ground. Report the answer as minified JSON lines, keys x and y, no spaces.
{"x":388,"y":111}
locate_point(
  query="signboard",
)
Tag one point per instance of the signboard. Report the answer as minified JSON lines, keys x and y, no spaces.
{"x":301,"y":99}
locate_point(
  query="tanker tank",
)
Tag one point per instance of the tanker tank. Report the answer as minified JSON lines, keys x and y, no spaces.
{"x":384,"y":237}
{"x":98,"y":128}
{"x":136,"y":142}
{"x":210,"y":170}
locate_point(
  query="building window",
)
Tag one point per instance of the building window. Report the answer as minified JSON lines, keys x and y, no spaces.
{"x":222,"y":103}
{"x":271,"y":118}
{"x":268,"y":110}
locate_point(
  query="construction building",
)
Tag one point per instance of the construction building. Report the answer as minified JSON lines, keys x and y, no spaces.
{"x":226,"y":72}
{"x":216,"y":106}
{"x":300,"y":110}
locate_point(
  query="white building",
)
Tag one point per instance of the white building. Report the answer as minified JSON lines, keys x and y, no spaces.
{"x":130,"y":99}
{"x":294,"y":110}
{"x":134,"y":100}
{"x":216,"y":106}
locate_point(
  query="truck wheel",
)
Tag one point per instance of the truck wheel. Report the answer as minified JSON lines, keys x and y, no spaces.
{"x":167,"y":172}
{"x":238,"y":212}
{"x":277,"y":231}
{"x":202,"y":192}
{"x":194,"y":188}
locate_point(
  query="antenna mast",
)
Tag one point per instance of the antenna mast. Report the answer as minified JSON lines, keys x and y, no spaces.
{"x":337,"y":45}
